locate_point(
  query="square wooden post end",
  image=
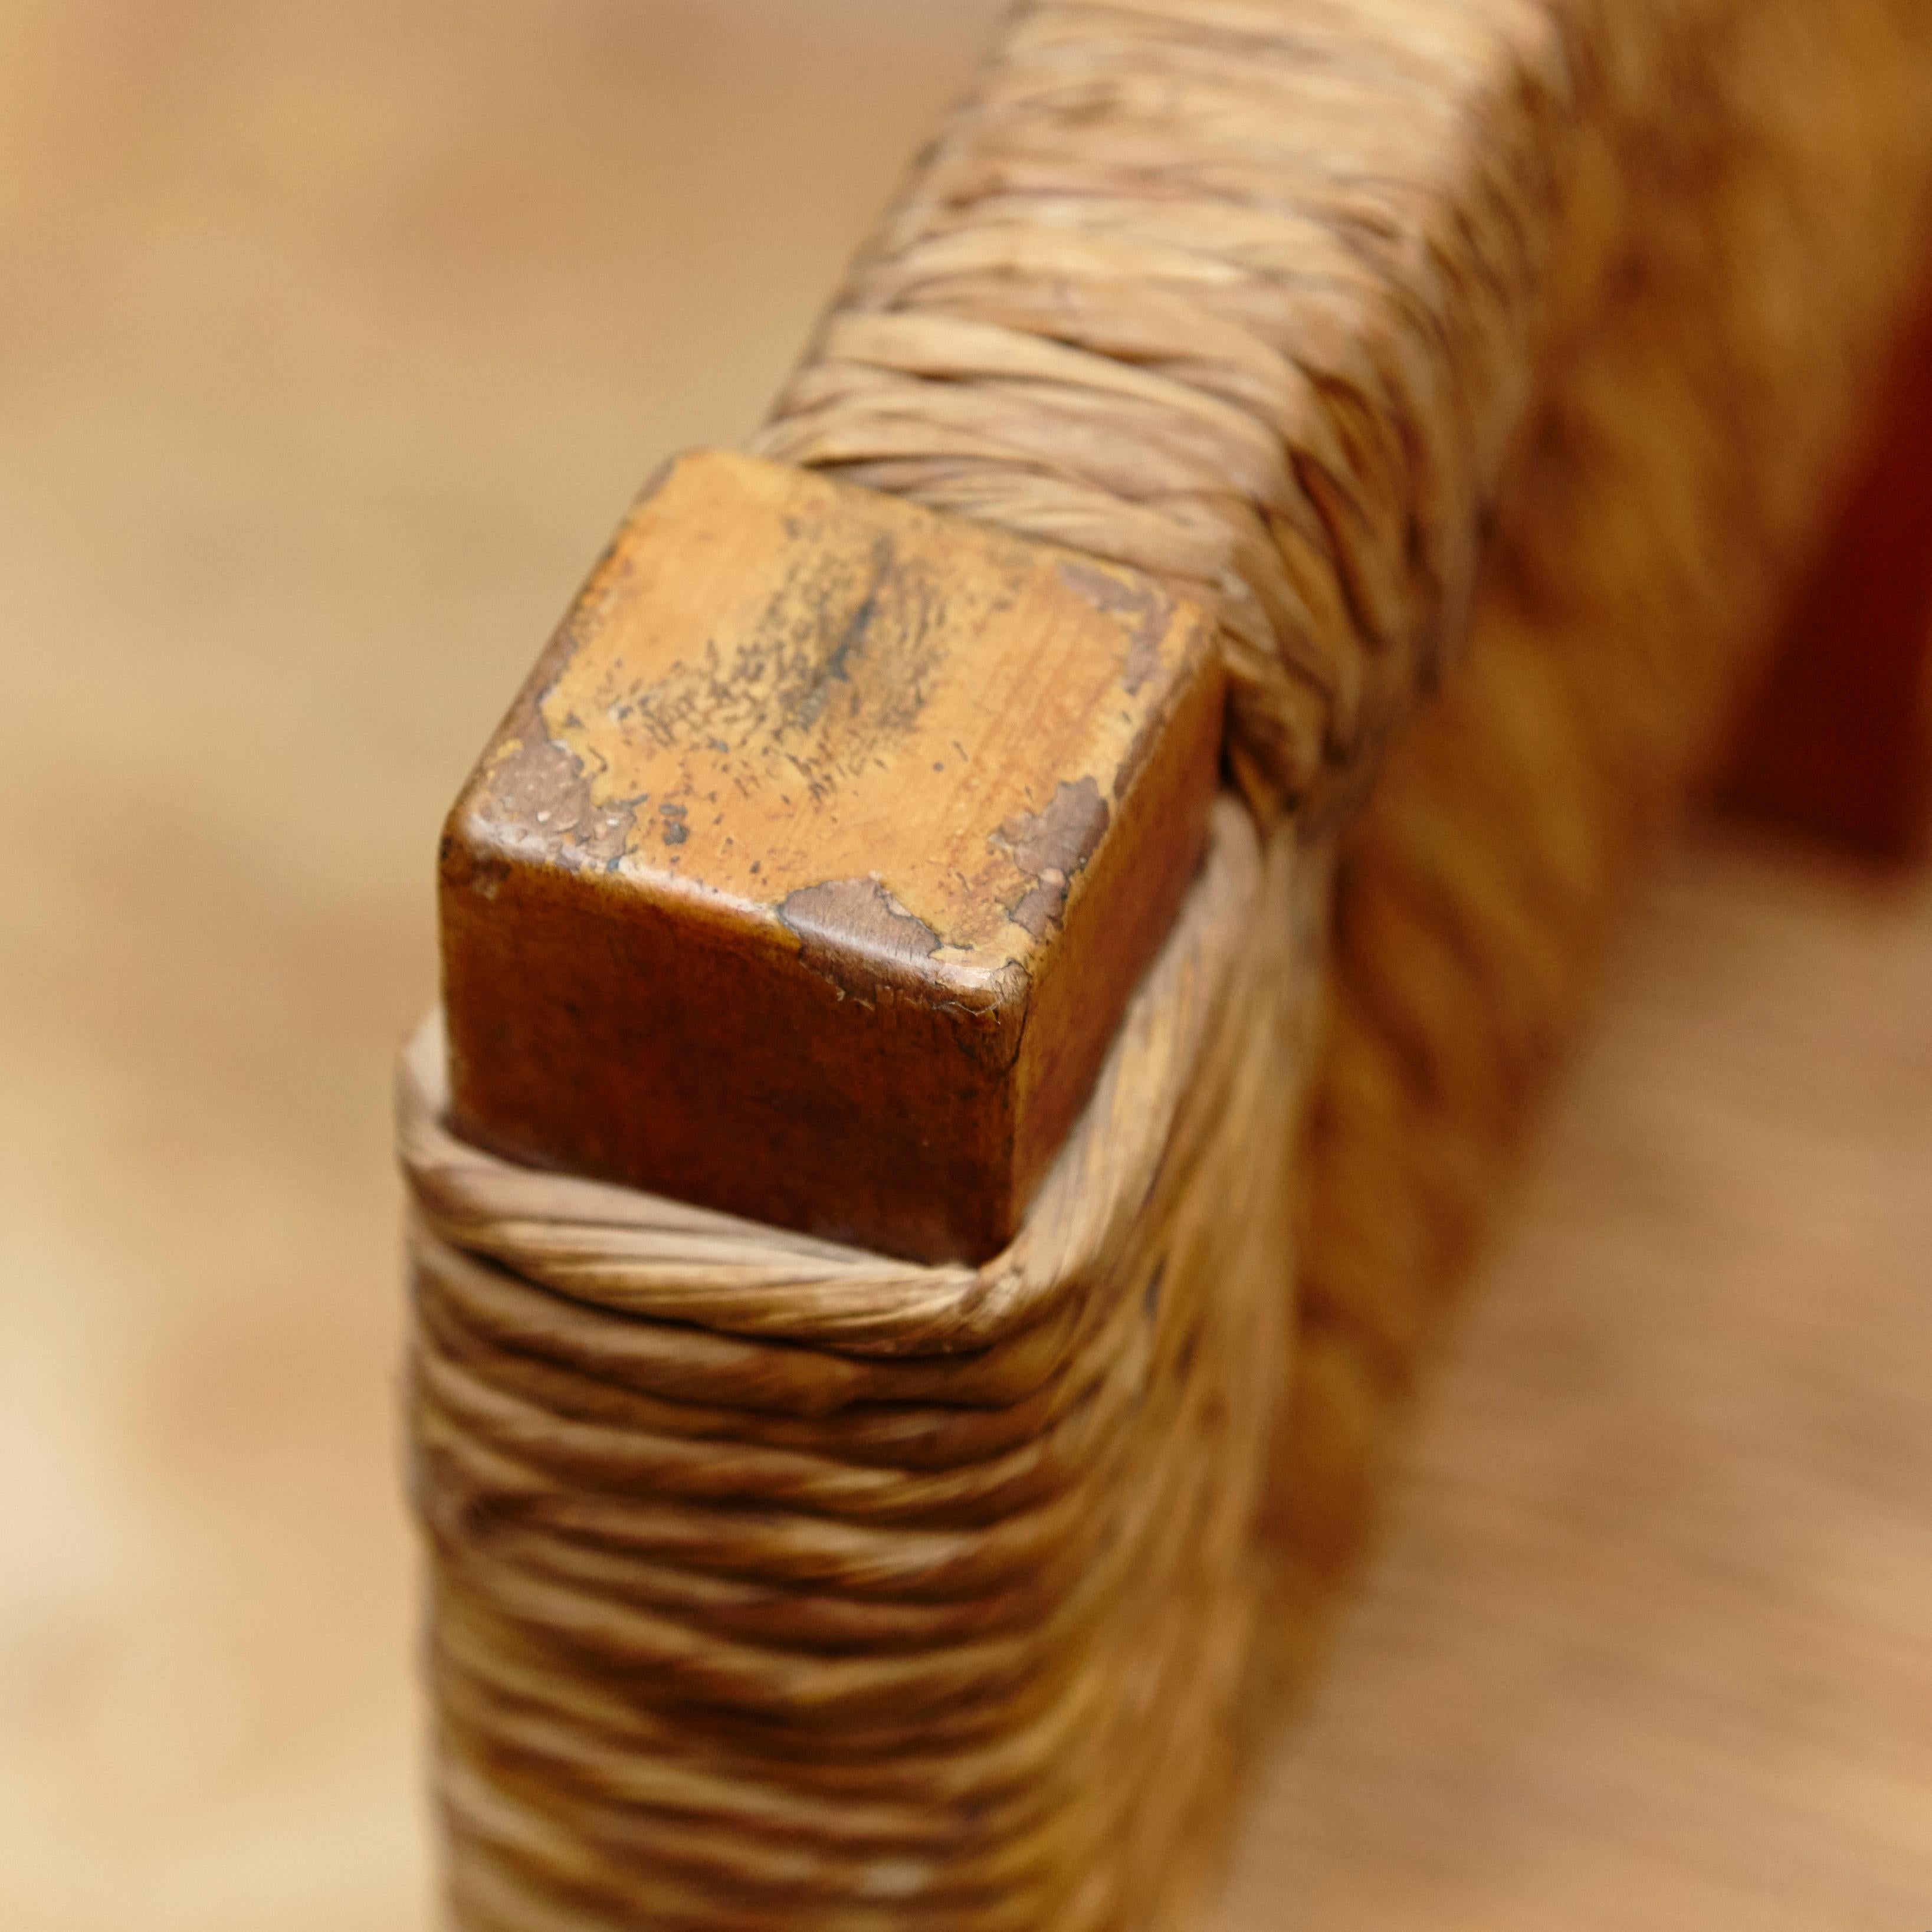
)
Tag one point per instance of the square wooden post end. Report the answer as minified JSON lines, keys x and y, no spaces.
{"x":810,"y":871}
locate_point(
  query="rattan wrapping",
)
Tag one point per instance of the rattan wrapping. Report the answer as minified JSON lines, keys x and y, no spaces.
{"x":1686,"y":446}
{"x":1506,"y":345}
{"x":775,"y":1585}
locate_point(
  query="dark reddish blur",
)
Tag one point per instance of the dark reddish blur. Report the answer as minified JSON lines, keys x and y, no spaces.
{"x":1839,"y":739}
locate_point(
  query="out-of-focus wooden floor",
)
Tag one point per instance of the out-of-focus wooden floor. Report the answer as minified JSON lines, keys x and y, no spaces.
{"x":332,"y":340}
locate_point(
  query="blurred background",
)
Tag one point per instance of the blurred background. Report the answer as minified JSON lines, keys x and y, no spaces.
{"x":333,"y":340}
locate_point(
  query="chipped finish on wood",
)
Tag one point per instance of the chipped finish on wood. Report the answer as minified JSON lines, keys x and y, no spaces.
{"x":810,"y":874}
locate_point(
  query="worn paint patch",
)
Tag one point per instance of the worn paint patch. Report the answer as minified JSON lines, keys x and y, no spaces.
{"x":540,"y":804}
{"x":854,"y":933}
{"x":1050,"y":848}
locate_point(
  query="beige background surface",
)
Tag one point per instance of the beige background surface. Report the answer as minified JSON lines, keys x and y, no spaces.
{"x":332,"y":341}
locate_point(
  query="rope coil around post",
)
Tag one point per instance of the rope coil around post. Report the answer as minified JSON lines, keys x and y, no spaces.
{"x":775,"y":1585}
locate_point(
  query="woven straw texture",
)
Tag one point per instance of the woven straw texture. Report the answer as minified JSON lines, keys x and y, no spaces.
{"x":1509,"y":346}
{"x":775,"y":1585}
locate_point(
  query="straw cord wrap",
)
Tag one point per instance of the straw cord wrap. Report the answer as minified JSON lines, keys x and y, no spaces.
{"x":769,"y":1592}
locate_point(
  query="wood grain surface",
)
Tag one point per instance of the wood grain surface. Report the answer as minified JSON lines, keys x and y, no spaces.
{"x":332,"y":337}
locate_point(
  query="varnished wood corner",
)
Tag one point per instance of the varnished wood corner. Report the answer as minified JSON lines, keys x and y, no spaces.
{"x":809,"y":874}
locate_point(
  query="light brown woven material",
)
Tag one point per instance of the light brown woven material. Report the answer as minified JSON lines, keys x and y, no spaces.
{"x":776,"y":1584}
{"x":1675,"y":470}
{"x":779,"y":1586}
